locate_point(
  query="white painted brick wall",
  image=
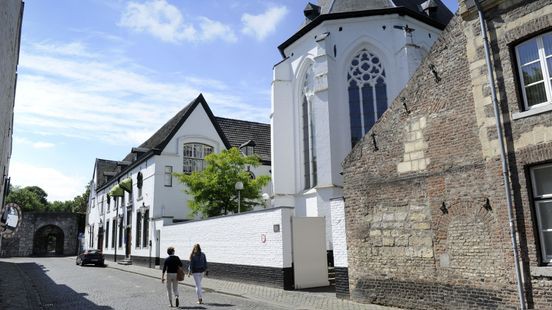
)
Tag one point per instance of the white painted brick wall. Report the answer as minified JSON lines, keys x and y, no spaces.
{"x":337,"y":206}
{"x":235,"y":239}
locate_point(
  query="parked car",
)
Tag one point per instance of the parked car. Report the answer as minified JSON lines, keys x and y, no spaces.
{"x":90,"y":257}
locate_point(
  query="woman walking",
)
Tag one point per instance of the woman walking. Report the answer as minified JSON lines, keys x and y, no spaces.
{"x":171,"y":265}
{"x":198,"y":265}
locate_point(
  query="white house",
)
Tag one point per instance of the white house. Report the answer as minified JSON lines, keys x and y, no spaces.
{"x":131,"y":199}
{"x":339,"y":73}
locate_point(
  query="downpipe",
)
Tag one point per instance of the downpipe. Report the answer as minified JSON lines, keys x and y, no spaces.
{"x":505,"y":176}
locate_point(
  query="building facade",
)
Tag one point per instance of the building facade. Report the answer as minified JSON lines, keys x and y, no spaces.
{"x":427,"y":214}
{"x":340,"y":72}
{"x":130,"y":200}
{"x":11,"y":17}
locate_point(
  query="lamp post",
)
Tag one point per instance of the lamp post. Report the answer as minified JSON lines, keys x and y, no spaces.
{"x":266,"y":198}
{"x":119,"y":222}
{"x":100,"y":235}
{"x":239,"y":186}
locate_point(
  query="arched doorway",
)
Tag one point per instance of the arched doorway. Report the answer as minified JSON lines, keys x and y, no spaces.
{"x":48,"y":241}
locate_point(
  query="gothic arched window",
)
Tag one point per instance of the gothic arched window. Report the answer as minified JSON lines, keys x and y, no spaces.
{"x":308,"y":129}
{"x":367,"y":93}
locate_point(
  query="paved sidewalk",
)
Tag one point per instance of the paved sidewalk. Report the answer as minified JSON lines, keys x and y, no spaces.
{"x":279,"y":297}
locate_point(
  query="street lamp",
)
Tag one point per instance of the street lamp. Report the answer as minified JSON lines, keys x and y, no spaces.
{"x":238,"y":186}
{"x":266,"y":198}
{"x":117,"y":236}
{"x":142,"y":210}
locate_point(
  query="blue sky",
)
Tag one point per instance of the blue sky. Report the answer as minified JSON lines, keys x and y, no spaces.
{"x":97,"y":77}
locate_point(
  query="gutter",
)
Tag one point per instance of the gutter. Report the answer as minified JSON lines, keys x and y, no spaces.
{"x":505,"y":174}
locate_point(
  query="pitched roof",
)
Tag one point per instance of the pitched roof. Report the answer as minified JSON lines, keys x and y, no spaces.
{"x":340,"y":6}
{"x":239,"y":132}
{"x":102,"y":166}
{"x":438,"y":16}
{"x":232,"y":132}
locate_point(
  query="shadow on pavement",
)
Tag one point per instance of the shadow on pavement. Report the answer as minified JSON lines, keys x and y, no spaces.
{"x":323,"y":289}
{"x":52,"y":295}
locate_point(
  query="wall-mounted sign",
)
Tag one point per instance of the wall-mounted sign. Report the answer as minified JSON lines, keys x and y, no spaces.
{"x":10,"y":219}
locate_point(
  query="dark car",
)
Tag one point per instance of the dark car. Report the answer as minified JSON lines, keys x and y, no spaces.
{"x":90,"y":257}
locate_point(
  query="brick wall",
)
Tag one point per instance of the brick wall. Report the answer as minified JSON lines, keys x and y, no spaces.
{"x":420,"y":232}
{"x":242,"y":247}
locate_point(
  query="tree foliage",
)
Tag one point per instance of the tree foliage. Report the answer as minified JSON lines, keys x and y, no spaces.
{"x":34,"y":198}
{"x":213,"y":188}
{"x":28,"y":198}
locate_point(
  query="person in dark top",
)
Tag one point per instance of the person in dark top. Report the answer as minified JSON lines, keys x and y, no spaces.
{"x":198,"y":265}
{"x":172,"y":262}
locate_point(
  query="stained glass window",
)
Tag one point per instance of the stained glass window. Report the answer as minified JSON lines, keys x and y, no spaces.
{"x":309,"y":130}
{"x":367,"y":91}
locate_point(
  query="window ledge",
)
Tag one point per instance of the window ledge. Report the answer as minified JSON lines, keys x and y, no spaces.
{"x":532,"y":112}
{"x":541,"y":272}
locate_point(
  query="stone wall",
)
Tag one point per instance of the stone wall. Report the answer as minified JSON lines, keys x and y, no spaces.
{"x":427,"y":220}
{"x":23,"y":242}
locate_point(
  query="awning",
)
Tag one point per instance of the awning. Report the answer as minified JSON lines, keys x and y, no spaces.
{"x":116,"y":191}
{"x":126,"y":184}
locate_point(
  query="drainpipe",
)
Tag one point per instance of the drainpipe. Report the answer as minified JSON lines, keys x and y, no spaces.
{"x":505,"y":176}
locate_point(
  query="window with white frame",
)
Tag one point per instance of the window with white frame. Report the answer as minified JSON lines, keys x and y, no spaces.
{"x":168,"y":176}
{"x":367,"y":89}
{"x":138,"y":242}
{"x":309,"y":130}
{"x":146,"y":221}
{"x":542,"y":196}
{"x":194,"y":156}
{"x":107,"y":234}
{"x":139,"y":184}
{"x":534,"y":59}
{"x":113,"y":232}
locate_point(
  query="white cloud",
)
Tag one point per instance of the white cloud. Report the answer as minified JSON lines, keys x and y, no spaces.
{"x":166,"y":22}
{"x":34,"y":144}
{"x":211,"y":30}
{"x":58,"y":185}
{"x":262,"y":25}
{"x":43,"y":145}
{"x":99,"y":99}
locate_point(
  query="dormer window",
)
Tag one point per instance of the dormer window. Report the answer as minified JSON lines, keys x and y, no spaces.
{"x":248,"y":148}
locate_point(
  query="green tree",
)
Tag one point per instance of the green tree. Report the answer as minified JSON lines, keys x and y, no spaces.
{"x":61,"y":206}
{"x":80,"y":202}
{"x":213,"y":188}
{"x":31,"y":198}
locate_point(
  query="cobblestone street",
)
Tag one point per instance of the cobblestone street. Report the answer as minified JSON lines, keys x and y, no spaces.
{"x":57,"y":283}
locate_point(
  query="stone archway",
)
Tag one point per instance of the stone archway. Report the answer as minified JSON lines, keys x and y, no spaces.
{"x":48,"y":241}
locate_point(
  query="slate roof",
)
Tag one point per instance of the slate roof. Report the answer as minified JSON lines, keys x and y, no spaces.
{"x":340,"y":6}
{"x":341,"y":9}
{"x":238,"y":132}
{"x":232,"y":132}
{"x":104,"y":165}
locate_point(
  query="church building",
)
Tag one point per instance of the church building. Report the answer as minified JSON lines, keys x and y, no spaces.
{"x":339,"y":73}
